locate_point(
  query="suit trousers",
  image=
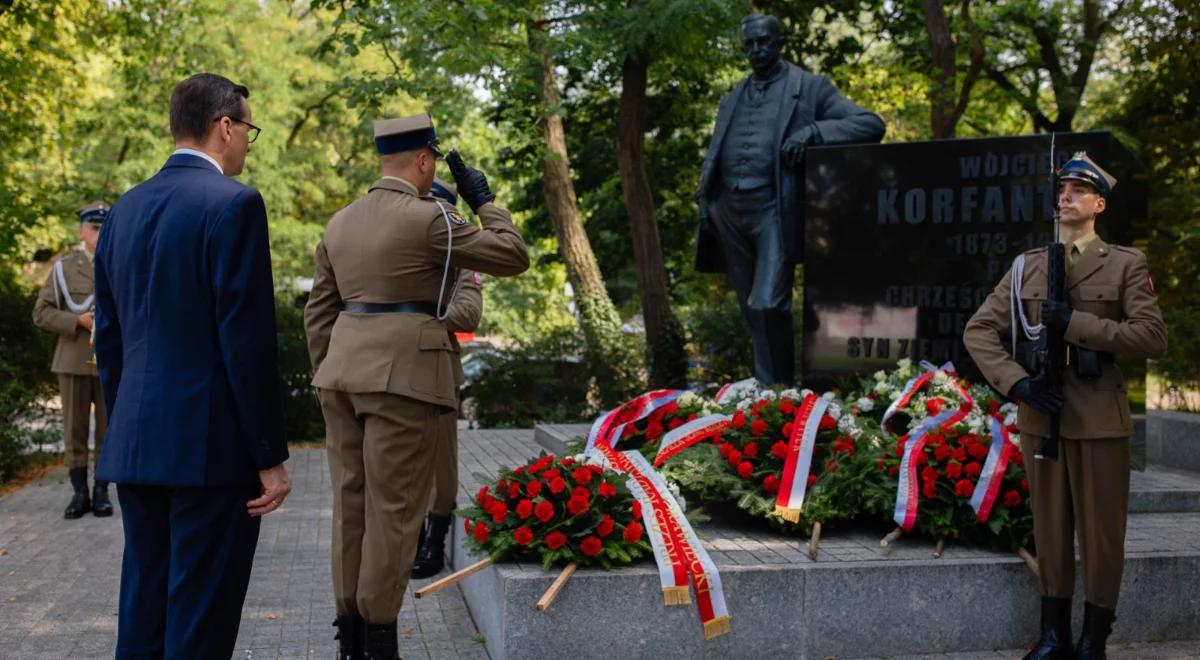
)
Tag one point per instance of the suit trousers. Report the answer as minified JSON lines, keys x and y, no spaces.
{"x":747,"y":225}
{"x":381,"y":449}
{"x":445,"y":467}
{"x":188,"y":554}
{"x":79,"y":395}
{"x":1085,"y":493}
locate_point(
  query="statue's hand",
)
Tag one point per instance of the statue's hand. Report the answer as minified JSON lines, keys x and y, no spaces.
{"x":792,"y":151}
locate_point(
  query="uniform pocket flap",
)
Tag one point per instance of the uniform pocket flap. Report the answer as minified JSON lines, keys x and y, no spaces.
{"x":1034,"y":291}
{"x":434,"y":339}
{"x":1098,"y":292}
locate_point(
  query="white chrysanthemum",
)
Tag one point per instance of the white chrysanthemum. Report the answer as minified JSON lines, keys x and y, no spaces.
{"x":1009,"y":408}
{"x":865,"y":404}
{"x":882,"y":388}
{"x":880,"y":376}
{"x":834,"y":410}
{"x":904,"y":364}
{"x":769,"y":395}
{"x":940,"y":377}
{"x":1010,"y":418}
{"x":791,"y":393}
{"x":829,"y":396}
{"x":688,"y":399}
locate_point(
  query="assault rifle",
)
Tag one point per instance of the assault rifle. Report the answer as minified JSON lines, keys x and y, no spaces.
{"x":1055,"y":359}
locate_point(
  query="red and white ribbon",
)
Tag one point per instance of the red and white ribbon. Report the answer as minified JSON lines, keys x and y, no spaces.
{"x":689,"y":434}
{"x":792,"y":487}
{"x":610,"y":425}
{"x":993,"y":471}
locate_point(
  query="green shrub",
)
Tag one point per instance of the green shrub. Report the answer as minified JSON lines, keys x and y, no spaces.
{"x":25,"y":378}
{"x":301,"y":410}
{"x":544,"y":380}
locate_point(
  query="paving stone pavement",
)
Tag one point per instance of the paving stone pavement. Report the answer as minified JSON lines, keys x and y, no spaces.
{"x":59,"y":579}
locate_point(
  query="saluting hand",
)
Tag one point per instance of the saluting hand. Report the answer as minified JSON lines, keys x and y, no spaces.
{"x":275,"y":488}
{"x":472,"y":184}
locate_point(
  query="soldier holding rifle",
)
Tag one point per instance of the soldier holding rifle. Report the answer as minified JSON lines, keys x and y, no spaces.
{"x":1080,"y":484}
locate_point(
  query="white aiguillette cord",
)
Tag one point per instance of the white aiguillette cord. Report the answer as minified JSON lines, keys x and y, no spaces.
{"x":441,"y":316}
{"x":1014,"y":298}
{"x":60,"y":288}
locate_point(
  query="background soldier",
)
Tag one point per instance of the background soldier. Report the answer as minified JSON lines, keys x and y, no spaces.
{"x":64,"y":306}
{"x":1113,"y":310}
{"x":463,"y":315}
{"x":384,"y":364}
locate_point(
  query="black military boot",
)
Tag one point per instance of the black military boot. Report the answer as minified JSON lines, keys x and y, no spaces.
{"x":101,"y":505}
{"x":80,"y":503}
{"x":431,"y":556}
{"x":381,"y":642}
{"x":1097,"y":624}
{"x":350,"y":636}
{"x":1055,"y":643}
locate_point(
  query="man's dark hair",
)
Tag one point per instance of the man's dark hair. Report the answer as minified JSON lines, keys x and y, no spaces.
{"x":201,"y":99}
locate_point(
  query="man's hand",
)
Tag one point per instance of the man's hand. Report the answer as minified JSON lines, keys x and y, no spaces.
{"x":85,"y":320}
{"x":472,"y":184}
{"x":275,"y":488}
{"x":1056,"y":315}
{"x":1032,"y":392}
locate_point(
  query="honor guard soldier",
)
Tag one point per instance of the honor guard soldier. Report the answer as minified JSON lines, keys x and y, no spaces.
{"x":65,"y":307}
{"x":1112,"y":311}
{"x":463,"y":315}
{"x":384,"y":363}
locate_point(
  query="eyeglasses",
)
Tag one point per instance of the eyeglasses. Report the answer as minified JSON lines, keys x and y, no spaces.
{"x":252,"y":131}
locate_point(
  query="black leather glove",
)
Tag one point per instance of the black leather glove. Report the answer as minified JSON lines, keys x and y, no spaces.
{"x":472,"y":184}
{"x":1032,"y":392}
{"x":1056,"y":315}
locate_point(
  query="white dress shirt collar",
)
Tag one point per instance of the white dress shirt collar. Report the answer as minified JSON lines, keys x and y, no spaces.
{"x":201,"y":154}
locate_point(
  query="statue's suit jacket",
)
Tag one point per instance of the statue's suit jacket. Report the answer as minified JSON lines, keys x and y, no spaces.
{"x":811,"y":105}
{"x":185,"y":332}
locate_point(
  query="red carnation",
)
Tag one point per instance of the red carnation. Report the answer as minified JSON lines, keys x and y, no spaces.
{"x":557,"y":485}
{"x":786,"y":431}
{"x":739,"y":419}
{"x":1024,"y":485}
{"x":466,"y":526}
{"x":959,"y":454}
{"x":590,"y":546}
{"x":929,"y":475}
{"x":1012,"y":499}
{"x":1012,"y":428}
{"x":724,"y":449}
{"x":551,"y":474}
{"x":606,"y":490}
{"x":580,"y":491}
{"x":750,"y":450}
{"x":972,"y":469}
{"x":935,"y":405}
{"x":812,"y":479}
{"x":523,"y":535}
{"x":605,"y":527}
{"x":514,"y":490}
{"x":977,"y":450}
{"x":893,"y":470}
{"x":481,"y":496}
{"x":636,"y":509}
{"x":779,"y":450}
{"x":670,"y":409}
{"x":758,"y":427}
{"x":583,"y":475}
{"x":533,"y":488}
{"x":935,"y":439}
{"x":734,"y":457}
{"x":993,"y":406}
{"x":693,"y":417}
{"x":568,"y":461}
{"x":654,"y":431}
{"x":524,"y":509}
{"x":674,"y":424}
{"x":744,"y":469}
{"x":941,"y":452}
{"x":518,"y":470}
{"x":879,"y":464}
{"x":499,"y":511}
{"x":786,"y":406}
{"x":900,"y":446}
{"x":922,"y":457}
{"x":633,"y":532}
{"x":964,"y":488}
{"x":629,"y":430}
{"x":555,"y":540}
{"x":828,"y":423}
{"x":480,"y":533}
{"x":770,"y":484}
{"x":832,"y":465}
{"x":929,"y":490}
{"x":953,"y":470}
{"x":577,"y":505}
{"x":544,"y":511}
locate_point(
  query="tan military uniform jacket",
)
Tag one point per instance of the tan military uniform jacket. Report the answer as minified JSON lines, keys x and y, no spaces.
{"x":50,"y":313}
{"x":390,"y":246}
{"x":1115,"y":310}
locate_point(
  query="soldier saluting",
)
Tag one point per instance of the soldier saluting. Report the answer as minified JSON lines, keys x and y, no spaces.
{"x":1113,"y":310}
{"x":384,"y":363}
{"x":65,"y":307}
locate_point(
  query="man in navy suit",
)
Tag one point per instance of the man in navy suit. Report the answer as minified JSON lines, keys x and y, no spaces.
{"x":185,"y":342}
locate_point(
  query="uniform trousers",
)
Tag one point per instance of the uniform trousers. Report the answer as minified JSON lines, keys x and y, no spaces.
{"x":747,"y":225}
{"x":185,"y":569}
{"x":1086,"y":493}
{"x":382,"y":448}
{"x":445,"y":469}
{"x":79,"y":395}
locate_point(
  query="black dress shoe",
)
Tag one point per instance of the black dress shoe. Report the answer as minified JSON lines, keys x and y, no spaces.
{"x":1097,"y":624}
{"x":350,"y":636}
{"x":431,"y":555}
{"x":1055,"y":643}
{"x":101,"y":506}
{"x":80,"y":502}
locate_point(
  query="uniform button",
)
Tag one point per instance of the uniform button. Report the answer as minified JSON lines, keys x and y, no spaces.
{"x":1036,"y":294}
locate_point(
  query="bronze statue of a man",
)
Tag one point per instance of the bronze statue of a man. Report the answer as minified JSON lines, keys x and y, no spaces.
{"x":751,"y":186}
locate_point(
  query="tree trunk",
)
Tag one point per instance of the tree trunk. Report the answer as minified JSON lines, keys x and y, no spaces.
{"x":942,"y":55}
{"x":597,"y":317}
{"x":664,"y":336}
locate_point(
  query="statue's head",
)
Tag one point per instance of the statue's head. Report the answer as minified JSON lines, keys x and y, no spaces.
{"x":761,"y":42}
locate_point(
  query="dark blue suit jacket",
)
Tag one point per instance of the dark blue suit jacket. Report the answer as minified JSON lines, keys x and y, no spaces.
{"x":185,"y":332}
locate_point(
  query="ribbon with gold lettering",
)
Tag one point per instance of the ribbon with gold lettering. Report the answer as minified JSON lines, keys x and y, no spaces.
{"x":689,"y":434}
{"x":794,"y":483}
